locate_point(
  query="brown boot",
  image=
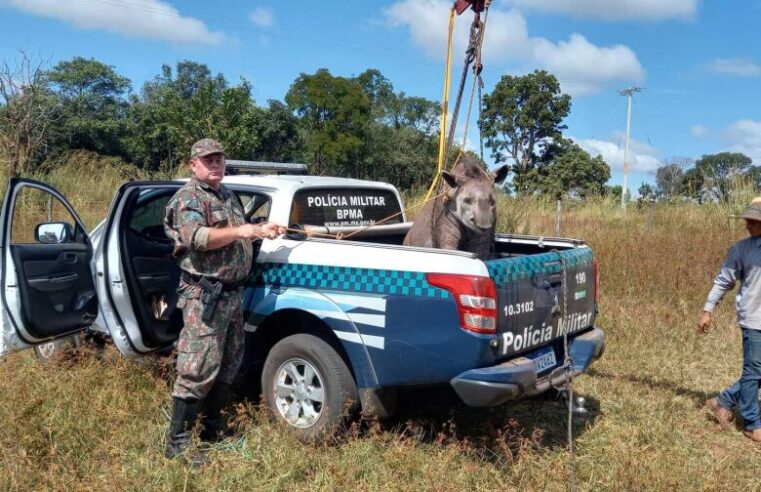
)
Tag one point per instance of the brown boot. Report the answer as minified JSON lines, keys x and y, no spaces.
{"x":754,"y":435}
{"x":722,"y":415}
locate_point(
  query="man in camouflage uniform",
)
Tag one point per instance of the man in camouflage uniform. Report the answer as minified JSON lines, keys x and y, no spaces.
{"x":213,"y":244}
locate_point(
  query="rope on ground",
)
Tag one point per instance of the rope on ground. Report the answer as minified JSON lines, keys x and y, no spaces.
{"x":567,"y":363}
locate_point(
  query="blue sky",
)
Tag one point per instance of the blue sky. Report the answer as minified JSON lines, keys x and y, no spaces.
{"x":698,"y":60}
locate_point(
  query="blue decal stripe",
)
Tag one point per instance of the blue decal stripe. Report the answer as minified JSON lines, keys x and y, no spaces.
{"x":367,"y":280}
{"x":509,"y":269}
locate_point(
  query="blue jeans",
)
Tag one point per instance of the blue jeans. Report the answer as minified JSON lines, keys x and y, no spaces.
{"x":744,"y":393}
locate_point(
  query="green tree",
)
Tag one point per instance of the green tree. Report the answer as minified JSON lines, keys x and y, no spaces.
{"x":712,"y":176}
{"x":28,"y":111}
{"x":566,"y":169}
{"x":335,"y":114}
{"x":613,"y":191}
{"x":278,"y":132}
{"x":692,"y":184}
{"x":379,"y":90}
{"x":402,"y":138}
{"x":520,"y":116}
{"x":669,"y":180}
{"x":646,"y":192}
{"x":178,"y":107}
{"x":93,"y":106}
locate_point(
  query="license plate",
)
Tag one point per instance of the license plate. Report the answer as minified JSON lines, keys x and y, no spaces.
{"x":544,"y":358}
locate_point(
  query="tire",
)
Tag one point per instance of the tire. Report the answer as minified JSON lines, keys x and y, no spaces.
{"x":47,"y":352}
{"x":308,"y":387}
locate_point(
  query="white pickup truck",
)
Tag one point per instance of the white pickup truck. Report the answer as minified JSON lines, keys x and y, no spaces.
{"x":328,"y":321}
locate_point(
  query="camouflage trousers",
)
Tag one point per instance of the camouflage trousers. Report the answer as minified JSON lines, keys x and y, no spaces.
{"x":207,"y":352}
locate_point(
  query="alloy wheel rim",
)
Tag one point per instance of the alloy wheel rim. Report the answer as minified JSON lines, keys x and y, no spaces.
{"x":299,"y":393}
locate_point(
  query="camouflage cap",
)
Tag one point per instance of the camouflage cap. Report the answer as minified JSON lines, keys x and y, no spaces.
{"x":206,"y":146}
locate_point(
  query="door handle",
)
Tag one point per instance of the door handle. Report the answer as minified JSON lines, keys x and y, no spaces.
{"x":70,"y":257}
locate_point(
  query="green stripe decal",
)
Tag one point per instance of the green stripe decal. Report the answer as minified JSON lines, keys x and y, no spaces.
{"x":510,"y":269}
{"x":367,"y":280}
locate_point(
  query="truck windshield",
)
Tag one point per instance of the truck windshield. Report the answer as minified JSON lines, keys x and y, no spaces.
{"x":344,"y":207}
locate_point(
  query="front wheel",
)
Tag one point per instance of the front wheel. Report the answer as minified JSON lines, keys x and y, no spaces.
{"x":308,"y":386}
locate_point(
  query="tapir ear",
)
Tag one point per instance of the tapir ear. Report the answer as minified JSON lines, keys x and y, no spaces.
{"x":500,"y":174}
{"x":449,"y":178}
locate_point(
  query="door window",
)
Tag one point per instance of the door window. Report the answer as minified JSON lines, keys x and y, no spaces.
{"x":255,"y":205}
{"x":49,"y":261}
{"x":35,"y":207}
{"x":148,"y":215}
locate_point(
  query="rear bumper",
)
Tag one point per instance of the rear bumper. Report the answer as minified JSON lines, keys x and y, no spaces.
{"x":517,"y":378}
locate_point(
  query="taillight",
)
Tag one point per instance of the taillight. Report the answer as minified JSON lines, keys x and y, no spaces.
{"x":476,"y":299}
{"x":597,"y":279}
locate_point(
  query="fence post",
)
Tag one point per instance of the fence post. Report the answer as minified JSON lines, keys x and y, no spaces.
{"x":558,"y":210}
{"x":650,"y":217}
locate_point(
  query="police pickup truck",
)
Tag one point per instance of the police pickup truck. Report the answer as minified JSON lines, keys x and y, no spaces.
{"x":332,"y":324}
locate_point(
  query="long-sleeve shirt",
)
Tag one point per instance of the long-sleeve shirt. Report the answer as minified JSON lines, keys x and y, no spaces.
{"x":189,"y":216}
{"x":743,"y":264}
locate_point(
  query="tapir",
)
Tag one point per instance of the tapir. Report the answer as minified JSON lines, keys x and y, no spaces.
{"x":463,"y":218}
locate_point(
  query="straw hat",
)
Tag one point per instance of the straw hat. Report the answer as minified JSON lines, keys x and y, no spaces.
{"x":753,"y":212}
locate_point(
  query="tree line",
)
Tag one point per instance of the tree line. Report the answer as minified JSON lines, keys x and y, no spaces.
{"x":356,"y":126}
{"x":711,"y":178}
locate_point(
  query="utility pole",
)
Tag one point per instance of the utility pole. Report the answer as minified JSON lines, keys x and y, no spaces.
{"x":628,"y":93}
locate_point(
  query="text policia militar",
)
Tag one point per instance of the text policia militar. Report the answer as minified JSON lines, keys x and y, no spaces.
{"x":346,"y":201}
{"x":347,"y":207}
{"x":532,"y":336}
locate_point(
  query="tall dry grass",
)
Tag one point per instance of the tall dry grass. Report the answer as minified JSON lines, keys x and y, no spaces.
{"x":97,"y":423}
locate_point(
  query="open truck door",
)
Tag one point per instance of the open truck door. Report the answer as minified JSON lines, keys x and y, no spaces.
{"x":48,"y":290}
{"x":137,"y":276}
{"x":58,"y":280}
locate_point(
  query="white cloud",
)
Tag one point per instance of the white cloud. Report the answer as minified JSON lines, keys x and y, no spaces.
{"x":615,"y":10}
{"x":152,"y":19}
{"x":745,"y":136}
{"x":262,"y":17}
{"x":581,"y":67}
{"x":642,"y":157}
{"x":735,"y":66}
{"x":700,"y":131}
{"x":586,"y":65}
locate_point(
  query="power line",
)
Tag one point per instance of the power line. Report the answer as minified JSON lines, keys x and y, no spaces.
{"x":641,"y":120}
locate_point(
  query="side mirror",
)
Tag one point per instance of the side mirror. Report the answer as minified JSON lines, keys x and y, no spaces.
{"x":53,"y":233}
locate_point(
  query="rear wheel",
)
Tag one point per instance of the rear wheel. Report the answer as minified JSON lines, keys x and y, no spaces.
{"x":308,"y":386}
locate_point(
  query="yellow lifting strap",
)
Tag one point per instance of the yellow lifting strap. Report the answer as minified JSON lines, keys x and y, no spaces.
{"x":444,"y":107}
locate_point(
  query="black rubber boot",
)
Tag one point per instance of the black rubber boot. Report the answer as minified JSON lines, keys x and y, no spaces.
{"x":214,"y":424}
{"x":180,"y":432}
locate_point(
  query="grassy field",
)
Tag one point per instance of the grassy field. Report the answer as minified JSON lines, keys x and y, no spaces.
{"x":92,"y":424}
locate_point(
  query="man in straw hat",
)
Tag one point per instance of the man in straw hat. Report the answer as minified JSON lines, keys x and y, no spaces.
{"x":743,"y":264}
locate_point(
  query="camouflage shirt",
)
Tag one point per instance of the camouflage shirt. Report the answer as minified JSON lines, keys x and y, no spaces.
{"x":192,"y":212}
